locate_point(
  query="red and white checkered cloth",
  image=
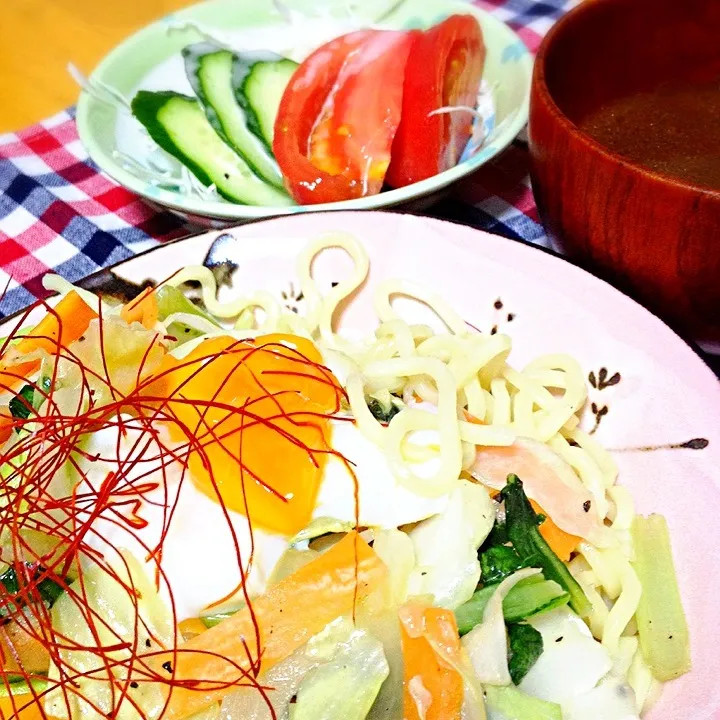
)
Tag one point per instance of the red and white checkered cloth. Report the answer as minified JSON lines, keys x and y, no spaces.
{"x":59,"y":212}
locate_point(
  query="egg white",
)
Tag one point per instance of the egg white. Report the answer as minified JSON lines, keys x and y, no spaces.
{"x":575,"y":671}
{"x":205,"y":545}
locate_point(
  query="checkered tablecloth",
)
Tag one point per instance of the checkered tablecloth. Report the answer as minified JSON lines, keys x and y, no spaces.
{"x":58,"y":212}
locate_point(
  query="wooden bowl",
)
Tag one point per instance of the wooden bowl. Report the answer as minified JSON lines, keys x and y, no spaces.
{"x":656,"y":237}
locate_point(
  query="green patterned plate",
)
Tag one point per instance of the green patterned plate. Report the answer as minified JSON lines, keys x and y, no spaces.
{"x":151,"y":59}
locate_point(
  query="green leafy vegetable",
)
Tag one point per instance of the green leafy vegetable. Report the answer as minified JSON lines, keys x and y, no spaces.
{"x":516,"y":705}
{"x":46,"y":591}
{"x":21,"y":687}
{"x":660,"y":617}
{"x":498,"y":536}
{"x":210,"y":621}
{"x":499,"y":562}
{"x":172,"y":301}
{"x":522,"y":527}
{"x":529,"y":597}
{"x":382,"y":411}
{"x":525,"y":647}
{"x":23,"y":403}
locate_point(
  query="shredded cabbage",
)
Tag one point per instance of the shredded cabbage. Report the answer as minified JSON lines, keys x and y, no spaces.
{"x":446,"y":546}
{"x":396,"y":550}
{"x":337,"y":673}
{"x":486,"y":644}
{"x":116,"y":619}
{"x":509,"y":703}
{"x":347,"y":685}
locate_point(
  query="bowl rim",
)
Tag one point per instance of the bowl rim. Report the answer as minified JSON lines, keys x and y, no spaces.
{"x":540,"y":92}
{"x":227,"y":211}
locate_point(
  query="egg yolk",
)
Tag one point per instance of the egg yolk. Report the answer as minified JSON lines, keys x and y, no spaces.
{"x":256,"y":415}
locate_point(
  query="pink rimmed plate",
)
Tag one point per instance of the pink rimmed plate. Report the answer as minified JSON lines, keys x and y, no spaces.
{"x":651,"y":398}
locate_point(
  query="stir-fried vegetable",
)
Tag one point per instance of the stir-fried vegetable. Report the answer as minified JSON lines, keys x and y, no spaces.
{"x":133,"y":624}
{"x":395,"y":549}
{"x":337,"y":673}
{"x":526,"y":646}
{"x":433,"y":687}
{"x":143,"y":309}
{"x":499,"y":562}
{"x":113,"y":356}
{"x":529,"y":597}
{"x":287,"y":616}
{"x":21,"y":646}
{"x":522,"y":528}
{"x":382,"y":407}
{"x":572,"y":662}
{"x":23,"y":404}
{"x":175,"y":307}
{"x":347,"y":684}
{"x":446,"y":546}
{"x":17,"y":700}
{"x":563,"y":544}
{"x":487,"y":643}
{"x":549,"y":481}
{"x":20,"y":649}
{"x":662,"y":627}
{"x":516,"y":705}
{"x":18,"y":591}
{"x":63,"y":325}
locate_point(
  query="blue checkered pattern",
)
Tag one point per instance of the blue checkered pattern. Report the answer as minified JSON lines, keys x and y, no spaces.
{"x":59,"y":213}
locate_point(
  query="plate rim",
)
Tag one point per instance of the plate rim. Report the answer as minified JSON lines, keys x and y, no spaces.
{"x":550,"y":252}
{"x":442,"y":227}
{"x":236,"y":212}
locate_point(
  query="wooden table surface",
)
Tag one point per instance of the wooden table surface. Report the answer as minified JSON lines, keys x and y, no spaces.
{"x":38,"y":38}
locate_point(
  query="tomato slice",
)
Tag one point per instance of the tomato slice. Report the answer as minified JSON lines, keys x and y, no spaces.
{"x":444,"y":69}
{"x":339,"y":114}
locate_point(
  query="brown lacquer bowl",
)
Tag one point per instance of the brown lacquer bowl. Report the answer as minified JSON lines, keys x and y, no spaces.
{"x":654,"y":235}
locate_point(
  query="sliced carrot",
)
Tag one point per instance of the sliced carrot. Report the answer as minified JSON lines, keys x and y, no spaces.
{"x":474,"y":419}
{"x":432,"y":687}
{"x":74,"y":317}
{"x":191,"y":627}
{"x":24,"y":708}
{"x":143,"y":309}
{"x":287,"y":616}
{"x":561,"y":543}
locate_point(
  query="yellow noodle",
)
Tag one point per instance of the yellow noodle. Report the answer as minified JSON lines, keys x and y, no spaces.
{"x":457,"y":370}
{"x":624,"y":608}
{"x":502,"y":413}
{"x":604,"y":565}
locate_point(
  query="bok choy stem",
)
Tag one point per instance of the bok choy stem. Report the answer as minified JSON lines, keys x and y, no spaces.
{"x":663,"y":631}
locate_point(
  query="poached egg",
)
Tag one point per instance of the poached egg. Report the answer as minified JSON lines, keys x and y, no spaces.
{"x":250,"y":456}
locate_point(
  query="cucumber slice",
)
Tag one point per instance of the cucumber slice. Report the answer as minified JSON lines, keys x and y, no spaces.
{"x":260,"y":79}
{"x":178,"y":125}
{"x":209,"y":70}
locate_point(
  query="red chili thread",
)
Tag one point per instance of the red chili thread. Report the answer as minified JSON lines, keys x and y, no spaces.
{"x":31,"y":504}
